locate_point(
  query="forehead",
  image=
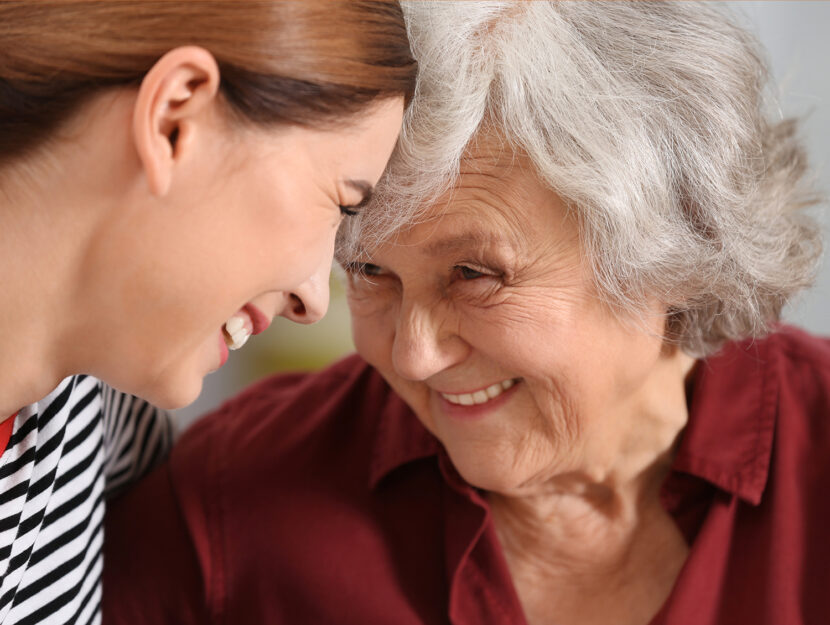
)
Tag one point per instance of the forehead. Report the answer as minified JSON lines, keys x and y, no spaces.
{"x":357,"y":147}
{"x":497,"y":200}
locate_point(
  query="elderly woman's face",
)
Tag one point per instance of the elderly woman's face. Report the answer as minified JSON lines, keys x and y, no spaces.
{"x":484,"y":319}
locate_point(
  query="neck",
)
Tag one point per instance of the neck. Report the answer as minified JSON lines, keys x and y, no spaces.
{"x":581,"y":525}
{"x":37,"y":266}
{"x":601,"y":531}
{"x":51,"y":208}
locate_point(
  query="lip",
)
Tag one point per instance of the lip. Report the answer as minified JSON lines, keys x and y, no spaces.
{"x":259,"y":320}
{"x":476,"y":410}
{"x":224,"y":352}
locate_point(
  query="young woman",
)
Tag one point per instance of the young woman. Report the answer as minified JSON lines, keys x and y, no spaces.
{"x":172,"y":176}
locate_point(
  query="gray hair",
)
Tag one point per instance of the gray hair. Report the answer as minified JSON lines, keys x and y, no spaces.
{"x":647,"y":119}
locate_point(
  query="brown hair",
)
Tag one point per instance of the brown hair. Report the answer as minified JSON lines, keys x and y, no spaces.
{"x":300,"y":62}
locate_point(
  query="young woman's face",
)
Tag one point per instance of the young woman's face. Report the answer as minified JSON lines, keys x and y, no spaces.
{"x":246,"y":230}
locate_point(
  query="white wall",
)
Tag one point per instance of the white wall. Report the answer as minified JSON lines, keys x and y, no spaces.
{"x":797,"y":38}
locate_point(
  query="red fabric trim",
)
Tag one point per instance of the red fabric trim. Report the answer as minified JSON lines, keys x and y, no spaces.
{"x":6,"y":432}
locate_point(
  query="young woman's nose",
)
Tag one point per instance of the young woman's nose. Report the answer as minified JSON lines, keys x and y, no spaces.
{"x":309,"y":301}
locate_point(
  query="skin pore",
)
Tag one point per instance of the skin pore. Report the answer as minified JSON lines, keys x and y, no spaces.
{"x":153,"y":217}
{"x":492,"y":291}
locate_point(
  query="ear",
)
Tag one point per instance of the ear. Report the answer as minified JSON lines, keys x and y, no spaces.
{"x":180,"y":86}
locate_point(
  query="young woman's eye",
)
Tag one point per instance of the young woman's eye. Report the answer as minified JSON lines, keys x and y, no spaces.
{"x":347,"y":211}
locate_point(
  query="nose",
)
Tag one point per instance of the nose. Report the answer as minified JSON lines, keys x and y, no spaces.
{"x":309,"y":301}
{"x":425,"y":342}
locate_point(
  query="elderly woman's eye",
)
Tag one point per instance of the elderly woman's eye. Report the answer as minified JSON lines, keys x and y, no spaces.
{"x":468,"y":273}
{"x":363,"y":269}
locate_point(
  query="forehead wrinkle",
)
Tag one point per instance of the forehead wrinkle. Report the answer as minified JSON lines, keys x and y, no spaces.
{"x":471,"y":236}
{"x":490,"y":204}
{"x":473,"y":222}
{"x":482,"y":214}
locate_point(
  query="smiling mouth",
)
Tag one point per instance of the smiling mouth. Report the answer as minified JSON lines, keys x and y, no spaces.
{"x":236,"y":332}
{"x":481,"y":396}
{"x":247,"y":321}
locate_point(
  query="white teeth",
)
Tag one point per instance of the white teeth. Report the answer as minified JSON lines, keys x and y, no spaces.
{"x":234,"y":324}
{"x":479,"y":397}
{"x":236,"y":334}
{"x":493,"y":391}
{"x":238,"y":340}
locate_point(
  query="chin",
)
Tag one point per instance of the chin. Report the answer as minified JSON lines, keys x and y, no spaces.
{"x":486,"y":473}
{"x":174,"y":396}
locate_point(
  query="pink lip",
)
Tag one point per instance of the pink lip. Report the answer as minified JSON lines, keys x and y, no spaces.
{"x":223,"y":350}
{"x":259,"y":319}
{"x":476,"y":410}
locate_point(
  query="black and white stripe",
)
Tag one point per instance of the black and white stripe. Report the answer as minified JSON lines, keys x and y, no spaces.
{"x":83,"y":442}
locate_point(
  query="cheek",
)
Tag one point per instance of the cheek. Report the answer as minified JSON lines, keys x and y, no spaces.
{"x":364,"y":340}
{"x":278,"y":227}
{"x":375,"y":305}
{"x":372,"y":329}
{"x":575,"y":372}
{"x":523,"y":338}
{"x":546,"y":341}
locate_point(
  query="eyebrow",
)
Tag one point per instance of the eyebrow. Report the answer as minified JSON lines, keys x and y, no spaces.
{"x":362,"y":187}
{"x":464,"y":241}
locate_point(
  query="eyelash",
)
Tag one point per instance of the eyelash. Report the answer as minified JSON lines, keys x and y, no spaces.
{"x":363,"y":269}
{"x":347,"y":211}
{"x":371,"y":270}
{"x":472,"y":267}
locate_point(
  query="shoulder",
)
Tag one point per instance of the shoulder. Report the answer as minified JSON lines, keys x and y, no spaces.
{"x":794,"y":371}
{"x":777,"y":388}
{"x":799,"y":363}
{"x":69,"y":392}
{"x":293,"y":405}
{"x":790,"y":356}
{"x":289,"y":419}
{"x":800,"y":348}
{"x":137,"y":435}
{"x":281,"y":459}
{"x":803,"y":374}
{"x":73,"y":397}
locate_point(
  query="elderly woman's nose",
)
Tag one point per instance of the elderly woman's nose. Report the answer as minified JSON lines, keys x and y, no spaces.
{"x":309,"y":301}
{"x":422,"y":347}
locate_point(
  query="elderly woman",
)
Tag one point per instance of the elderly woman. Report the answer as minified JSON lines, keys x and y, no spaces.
{"x":576,"y":405}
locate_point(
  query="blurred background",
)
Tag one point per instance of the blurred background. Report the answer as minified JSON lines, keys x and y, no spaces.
{"x":795,"y":35}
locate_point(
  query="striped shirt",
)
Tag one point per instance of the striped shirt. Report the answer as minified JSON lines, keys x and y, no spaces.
{"x":66,"y":454}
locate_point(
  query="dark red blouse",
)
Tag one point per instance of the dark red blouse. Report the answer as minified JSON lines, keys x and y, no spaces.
{"x":321,"y":499}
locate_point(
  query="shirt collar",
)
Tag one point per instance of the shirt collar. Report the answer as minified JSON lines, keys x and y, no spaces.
{"x":400,"y":438}
{"x":727,"y":441}
{"x":729,"y":436}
